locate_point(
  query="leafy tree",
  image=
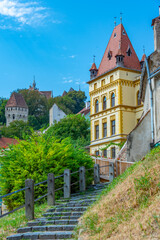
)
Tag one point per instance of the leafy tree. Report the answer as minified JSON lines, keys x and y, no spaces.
{"x":3,"y":102}
{"x":74,"y":126}
{"x":18,"y":129}
{"x":34,"y":159}
{"x":72,"y":102}
{"x":38,"y":108}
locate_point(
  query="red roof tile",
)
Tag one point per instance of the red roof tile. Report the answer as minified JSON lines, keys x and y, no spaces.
{"x":119,"y":42}
{"x":84,"y":111}
{"x":93,"y":67}
{"x":16,"y":100}
{"x":48,"y":94}
{"x":143,"y":57}
{"x":5,"y":142}
{"x":155,"y":20}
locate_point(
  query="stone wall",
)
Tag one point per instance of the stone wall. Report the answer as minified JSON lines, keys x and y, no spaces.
{"x":138,"y":141}
{"x":16,"y":113}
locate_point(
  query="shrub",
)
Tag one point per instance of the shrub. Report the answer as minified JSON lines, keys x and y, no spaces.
{"x":34,"y":159}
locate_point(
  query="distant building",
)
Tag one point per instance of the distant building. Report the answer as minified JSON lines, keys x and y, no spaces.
{"x":47,"y":94}
{"x":65,"y":93}
{"x":85,"y":111}
{"x":55,"y":114}
{"x":16,"y":109}
{"x":5,"y":142}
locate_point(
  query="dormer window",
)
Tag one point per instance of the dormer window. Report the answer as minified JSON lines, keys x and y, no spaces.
{"x":109,"y":55}
{"x":115,"y":35}
{"x":129,"y":52}
{"x":124,"y":33}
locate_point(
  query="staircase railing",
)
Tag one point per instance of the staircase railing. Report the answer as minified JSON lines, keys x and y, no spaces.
{"x":67,"y":187}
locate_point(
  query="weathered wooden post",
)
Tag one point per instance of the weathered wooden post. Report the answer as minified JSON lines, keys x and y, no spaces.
{"x":1,"y":210}
{"x":111,"y":172}
{"x":82,"y":179}
{"x":96,"y":174}
{"x":29,"y":199}
{"x":51,"y":190}
{"x":67,"y":183}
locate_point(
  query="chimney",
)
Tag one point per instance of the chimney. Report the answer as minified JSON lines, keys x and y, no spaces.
{"x":156,"y":28}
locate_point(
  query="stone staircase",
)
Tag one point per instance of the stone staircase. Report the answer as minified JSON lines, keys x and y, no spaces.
{"x":59,"y":221}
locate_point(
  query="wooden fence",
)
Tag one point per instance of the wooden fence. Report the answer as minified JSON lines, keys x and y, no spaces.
{"x":50,"y":182}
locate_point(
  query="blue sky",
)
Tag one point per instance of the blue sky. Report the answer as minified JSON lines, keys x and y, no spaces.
{"x":56,"y":40}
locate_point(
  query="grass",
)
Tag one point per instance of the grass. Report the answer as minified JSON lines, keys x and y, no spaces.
{"x":129,"y":207}
{"x":10,"y":223}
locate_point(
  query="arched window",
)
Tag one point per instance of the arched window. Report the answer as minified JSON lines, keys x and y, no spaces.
{"x":112,"y":100}
{"x":96,"y":106}
{"x":138,"y":100}
{"x":104,"y":103}
{"x":13,"y":116}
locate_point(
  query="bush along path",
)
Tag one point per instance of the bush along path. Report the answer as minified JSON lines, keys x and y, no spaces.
{"x":60,"y":221}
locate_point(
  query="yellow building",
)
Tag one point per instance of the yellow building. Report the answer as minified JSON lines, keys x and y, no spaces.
{"x":113,"y":89}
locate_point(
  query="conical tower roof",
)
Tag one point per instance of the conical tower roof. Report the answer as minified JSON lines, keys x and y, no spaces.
{"x":119,"y":43}
{"x":93,"y":67}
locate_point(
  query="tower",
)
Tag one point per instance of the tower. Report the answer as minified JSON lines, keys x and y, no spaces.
{"x":16,"y":109}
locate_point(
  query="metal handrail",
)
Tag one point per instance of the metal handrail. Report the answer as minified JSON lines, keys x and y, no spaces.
{"x":36,"y":200}
{"x":58,"y":189}
{"x":75,"y":172}
{"x":37,"y":184}
{"x":89,"y":169}
{"x":14,"y":210}
{"x":62,"y":175}
{"x":104,"y":166}
{"x":9,"y":194}
{"x":74,"y":183}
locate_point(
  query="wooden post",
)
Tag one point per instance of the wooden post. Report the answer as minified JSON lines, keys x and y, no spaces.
{"x":96,"y":174}
{"x":1,"y":210}
{"x":111,"y":172}
{"x":67,"y":183}
{"x":51,"y":190}
{"x":29,"y":199}
{"x":82,"y":179}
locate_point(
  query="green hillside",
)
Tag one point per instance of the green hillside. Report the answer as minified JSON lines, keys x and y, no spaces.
{"x":130,"y":207}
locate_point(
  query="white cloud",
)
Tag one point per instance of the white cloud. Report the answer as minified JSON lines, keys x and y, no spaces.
{"x":22,"y":13}
{"x":72,"y":56}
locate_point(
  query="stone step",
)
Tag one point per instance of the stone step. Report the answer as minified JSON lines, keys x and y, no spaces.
{"x":42,"y":235}
{"x":62,"y":209}
{"x":50,"y":214}
{"x":49,"y":228}
{"x":79,"y":204}
{"x":52,"y":222}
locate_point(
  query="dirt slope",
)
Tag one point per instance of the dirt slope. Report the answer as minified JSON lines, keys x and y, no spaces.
{"x":130,"y":207}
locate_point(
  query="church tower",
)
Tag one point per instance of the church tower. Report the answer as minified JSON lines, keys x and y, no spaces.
{"x":113,"y":89}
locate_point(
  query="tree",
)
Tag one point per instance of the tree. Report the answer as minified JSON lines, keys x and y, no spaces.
{"x":72,"y":102}
{"x":74,"y":126}
{"x":38,"y":108}
{"x":34,"y":159}
{"x":3,"y":102}
{"x":16,"y":129}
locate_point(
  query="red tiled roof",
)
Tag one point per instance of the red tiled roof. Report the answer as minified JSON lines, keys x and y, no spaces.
{"x":93,"y":67}
{"x":64,"y":93}
{"x":5,"y":142}
{"x":16,"y":100}
{"x":155,"y":20}
{"x":84,"y":111}
{"x":119,"y":40}
{"x":143,"y":57}
{"x":48,"y":94}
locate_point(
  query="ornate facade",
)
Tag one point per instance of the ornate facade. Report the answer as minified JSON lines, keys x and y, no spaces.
{"x":114,"y":89}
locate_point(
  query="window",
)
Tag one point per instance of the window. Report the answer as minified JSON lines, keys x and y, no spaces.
{"x":96,"y":106}
{"x":123,"y":32}
{"x":115,"y":35}
{"x":97,"y":153}
{"x":105,"y":153}
{"x":104,"y":129}
{"x":103,"y":82}
{"x":113,"y":152}
{"x":138,"y":100}
{"x":104,"y":103}
{"x":113,"y":127}
{"x":138,"y":120}
{"x":95,"y":86}
{"x":111,"y":78}
{"x":96,"y":131}
{"x":13,"y":116}
{"x":129,"y":52}
{"x":109,"y":55}
{"x":112,"y":100}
